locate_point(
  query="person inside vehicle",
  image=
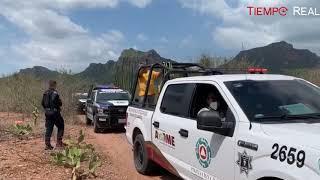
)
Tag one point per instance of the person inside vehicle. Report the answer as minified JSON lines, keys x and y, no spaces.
{"x":212,"y":105}
{"x":142,"y":81}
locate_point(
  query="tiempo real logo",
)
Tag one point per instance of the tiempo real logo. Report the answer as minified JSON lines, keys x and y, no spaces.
{"x":267,"y":11}
{"x":281,"y":10}
{"x":305,"y":11}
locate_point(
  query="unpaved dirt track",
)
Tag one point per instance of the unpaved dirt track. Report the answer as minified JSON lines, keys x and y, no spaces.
{"x":26,"y":158}
{"x":114,"y":144}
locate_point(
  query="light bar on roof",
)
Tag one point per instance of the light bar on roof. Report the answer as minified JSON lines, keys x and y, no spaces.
{"x":257,"y":70}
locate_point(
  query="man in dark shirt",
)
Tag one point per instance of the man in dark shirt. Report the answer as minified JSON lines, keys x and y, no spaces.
{"x":51,"y":103}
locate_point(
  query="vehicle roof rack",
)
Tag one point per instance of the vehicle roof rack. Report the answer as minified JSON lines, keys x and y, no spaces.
{"x":167,"y":69}
{"x":186,"y":70}
{"x":194,"y":68}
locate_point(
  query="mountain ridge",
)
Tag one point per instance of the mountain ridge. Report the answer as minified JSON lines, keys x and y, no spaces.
{"x":91,"y":73}
{"x":39,"y":71}
{"x":277,"y":56}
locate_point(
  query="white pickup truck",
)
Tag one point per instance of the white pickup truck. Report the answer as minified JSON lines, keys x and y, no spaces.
{"x":263,"y":127}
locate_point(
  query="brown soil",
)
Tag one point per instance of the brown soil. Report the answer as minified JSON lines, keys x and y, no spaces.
{"x":26,"y":158}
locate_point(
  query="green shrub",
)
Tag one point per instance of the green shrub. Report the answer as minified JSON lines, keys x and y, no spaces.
{"x":79,"y":156}
{"x":21,"y":129}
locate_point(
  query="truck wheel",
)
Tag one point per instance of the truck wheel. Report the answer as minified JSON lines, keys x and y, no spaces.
{"x":88,"y":121}
{"x":95,"y":126}
{"x":141,"y":160}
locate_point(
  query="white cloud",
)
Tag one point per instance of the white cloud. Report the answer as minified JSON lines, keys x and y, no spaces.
{"x":235,"y":37}
{"x":140,"y":3}
{"x":164,"y":40}
{"x":142,"y":37}
{"x":72,"y":51}
{"x":212,"y":7}
{"x":237,"y":27}
{"x":98,"y":3}
{"x":74,"y":4}
{"x":54,"y":40}
{"x":43,"y":22}
{"x":85,"y":3}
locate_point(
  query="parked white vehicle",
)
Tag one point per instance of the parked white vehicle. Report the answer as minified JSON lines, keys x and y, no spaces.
{"x":264,"y":127}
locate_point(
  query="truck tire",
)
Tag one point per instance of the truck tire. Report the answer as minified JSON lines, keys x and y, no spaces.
{"x":141,"y":160}
{"x":88,"y":121}
{"x":95,"y":127}
{"x":269,"y":178}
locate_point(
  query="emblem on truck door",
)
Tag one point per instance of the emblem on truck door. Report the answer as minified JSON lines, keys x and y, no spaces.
{"x":203,"y":152}
{"x":244,"y":162}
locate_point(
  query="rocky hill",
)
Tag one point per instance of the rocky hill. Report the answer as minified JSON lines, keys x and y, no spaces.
{"x":148,"y":57}
{"x":40,"y":72}
{"x":98,"y":72}
{"x":121,"y":72}
{"x":277,"y":57}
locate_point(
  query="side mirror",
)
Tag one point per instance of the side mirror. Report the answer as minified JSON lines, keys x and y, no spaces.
{"x":208,"y":120}
{"x":89,"y":101}
{"x":211,"y":121}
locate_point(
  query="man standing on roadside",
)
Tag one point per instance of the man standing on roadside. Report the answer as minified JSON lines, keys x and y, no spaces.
{"x":51,"y":103}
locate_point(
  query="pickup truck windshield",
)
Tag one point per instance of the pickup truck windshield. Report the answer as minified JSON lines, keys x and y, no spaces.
{"x":82,"y":96}
{"x":277,"y":100}
{"x":103,"y":96}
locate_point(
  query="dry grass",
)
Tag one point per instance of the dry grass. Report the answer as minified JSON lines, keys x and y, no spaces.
{"x":23,"y":93}
{"x":312,"y":75}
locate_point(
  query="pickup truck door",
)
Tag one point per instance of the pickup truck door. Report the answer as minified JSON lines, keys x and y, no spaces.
{"x":89,"y":106}
{"x":196,"y":154}
{"x":208,"y":155}
{"x":167,"y":119}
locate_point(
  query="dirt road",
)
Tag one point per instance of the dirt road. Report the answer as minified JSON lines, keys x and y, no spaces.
{"x":115,"y":146}
{"x":26,"y":158}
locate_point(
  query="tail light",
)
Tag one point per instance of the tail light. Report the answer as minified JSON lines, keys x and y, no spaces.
{"x":254,"y":70}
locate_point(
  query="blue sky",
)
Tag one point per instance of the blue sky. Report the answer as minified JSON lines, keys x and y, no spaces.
{"x":163,"y":25}
{"x":71,"y":34}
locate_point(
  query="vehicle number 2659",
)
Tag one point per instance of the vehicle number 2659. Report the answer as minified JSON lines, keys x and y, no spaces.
{"x":289,"y":155}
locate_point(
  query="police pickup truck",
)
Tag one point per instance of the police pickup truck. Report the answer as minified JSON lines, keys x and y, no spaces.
{"x":81,"y":99}
{"x":106,"y":107}
{"x":261,"y":127}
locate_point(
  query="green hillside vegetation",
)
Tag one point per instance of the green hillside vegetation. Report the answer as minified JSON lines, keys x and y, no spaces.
{"x":312,"y":75}
{"x":99,"y":73}
{"x":132,"y":53}
{"x":121,"y":72}
{"x":209,"y":61}
{"x":22,"y":92}
{"x":277,"y":57}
